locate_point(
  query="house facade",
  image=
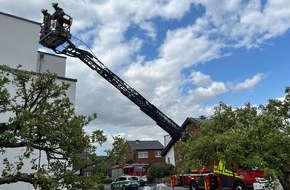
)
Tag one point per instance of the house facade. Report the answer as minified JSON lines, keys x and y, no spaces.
{"x":170,"y":153}
{"x":19,"y":46}
{"x":148,"y":152}
{"x":88,"y":166}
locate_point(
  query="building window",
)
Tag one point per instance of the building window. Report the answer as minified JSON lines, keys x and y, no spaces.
{"x":157,"y":154}
{"x":88,"y":173}
{"x":168,"y":160}
{"x":142,"y":154}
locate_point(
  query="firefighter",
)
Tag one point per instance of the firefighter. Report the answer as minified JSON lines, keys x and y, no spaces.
{"x":59,"y":16}
{"x":59,"y":13}
{"x":46,"y":21}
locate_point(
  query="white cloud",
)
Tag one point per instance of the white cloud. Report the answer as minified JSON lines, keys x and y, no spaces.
{"x":149,"y":28}
{"x":247,"y":24}
{"x":226,"y":24}
{"x":206,"y":88}
{"x":174,"y":9}
{"x":185,"y":48}
{"x":200,"y":79}
{"x":204,"y":93}
{"x":249,"y":83}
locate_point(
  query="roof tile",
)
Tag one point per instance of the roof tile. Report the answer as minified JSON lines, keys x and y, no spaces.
{"x":145,"y":145}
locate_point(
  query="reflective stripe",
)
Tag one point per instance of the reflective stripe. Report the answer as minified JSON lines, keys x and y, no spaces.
{"x":221,"y":169}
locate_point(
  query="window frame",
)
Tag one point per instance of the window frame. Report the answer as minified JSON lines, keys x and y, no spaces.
{"x":143,"y":154}
{"x":158,"y":154}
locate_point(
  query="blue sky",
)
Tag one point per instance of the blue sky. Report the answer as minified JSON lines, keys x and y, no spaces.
{"x":184,"y":58}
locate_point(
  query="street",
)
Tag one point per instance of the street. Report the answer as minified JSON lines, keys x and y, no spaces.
{"x":108,"y":187}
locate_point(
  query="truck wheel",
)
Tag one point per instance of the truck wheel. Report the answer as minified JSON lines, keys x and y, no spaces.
{"x":193,"y":186}
{"x":239,"y":186}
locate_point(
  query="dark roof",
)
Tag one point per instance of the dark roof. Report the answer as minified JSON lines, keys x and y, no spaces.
{"x":145,"y":145}
{"x":188,"y":121}
{"x":82,"y":156}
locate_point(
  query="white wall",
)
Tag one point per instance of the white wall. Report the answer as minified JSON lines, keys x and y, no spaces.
{"x":50,"y":62}
{"x":169,"y":157}
{"x":19,"y":45}
{"x":71,"y":92}
{"x":167,"y":139}
{"x":18,"y":42}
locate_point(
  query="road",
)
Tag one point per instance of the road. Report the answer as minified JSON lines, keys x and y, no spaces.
{"x":108,"y":187}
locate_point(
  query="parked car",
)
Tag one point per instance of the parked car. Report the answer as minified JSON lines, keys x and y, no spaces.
{"x":125,"y":182}
{"x":142,"y":180}
{"x":160,"y":186}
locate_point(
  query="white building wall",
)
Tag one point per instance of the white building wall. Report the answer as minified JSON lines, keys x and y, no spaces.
{"x":169,"y":157}
{"x":167,"y":139}
{"x":49,"y":62}
{"x":71,"y":92}
{"x":19,"y":45}
{"x":18,"y":42}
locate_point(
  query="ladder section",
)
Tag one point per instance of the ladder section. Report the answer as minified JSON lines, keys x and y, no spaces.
{"x":154,"y":113}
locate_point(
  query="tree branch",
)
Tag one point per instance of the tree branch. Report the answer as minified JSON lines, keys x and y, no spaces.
{"x":7,"y":144}
{"x":19,"y":177}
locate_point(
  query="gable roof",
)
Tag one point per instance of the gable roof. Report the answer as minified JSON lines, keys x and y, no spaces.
{"x":145,"y":145}
{"x":188,"y":121}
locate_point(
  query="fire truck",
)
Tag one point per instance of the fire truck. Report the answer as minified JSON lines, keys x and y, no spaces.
{"x":135,"y":169}
{"x":55,"y":34}
{"x":224,"y":176}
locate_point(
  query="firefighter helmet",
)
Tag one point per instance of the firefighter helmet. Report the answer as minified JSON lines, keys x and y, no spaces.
{"x":44,"y":11}
{"x":55,"y":5}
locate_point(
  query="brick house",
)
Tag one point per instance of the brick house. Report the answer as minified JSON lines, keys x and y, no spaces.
{"x":89,"y":166}
{"x":88,"y":170}
{"x":143,"y":152}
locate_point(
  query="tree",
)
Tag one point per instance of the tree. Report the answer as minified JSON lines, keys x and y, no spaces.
{"x":42,"y":125}
{"x":250,"y":135}
{"x":119,"y":150}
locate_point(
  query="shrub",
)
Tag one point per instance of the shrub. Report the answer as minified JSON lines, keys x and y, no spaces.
{"x":100,"y":187}
{"x":159,"y":170}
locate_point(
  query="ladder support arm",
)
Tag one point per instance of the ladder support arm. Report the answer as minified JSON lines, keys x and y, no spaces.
{"x":94,"y":63}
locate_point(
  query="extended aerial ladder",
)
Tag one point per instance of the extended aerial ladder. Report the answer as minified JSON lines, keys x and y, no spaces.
{"x":56,"y":36}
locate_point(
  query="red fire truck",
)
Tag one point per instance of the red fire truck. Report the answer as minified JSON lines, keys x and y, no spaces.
{"x":224,"y":177}
{"x":135,"y":169}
